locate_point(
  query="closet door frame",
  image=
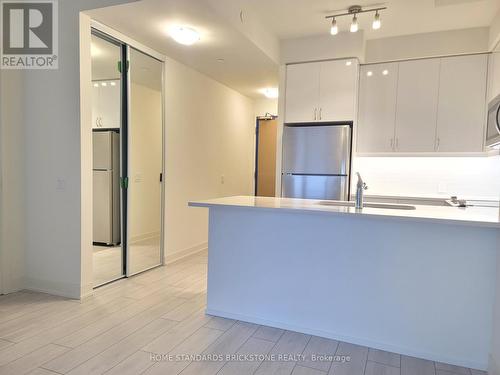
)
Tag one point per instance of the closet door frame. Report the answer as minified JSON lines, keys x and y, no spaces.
{"x":126,"y":44}
{"x":123,"y":155}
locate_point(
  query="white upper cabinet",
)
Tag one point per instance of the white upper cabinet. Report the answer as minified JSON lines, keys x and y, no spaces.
{"x":461,"y":110}
{"x":302,"y":92}
{"x":416,"y":109}
{"x":106,"y":104}
{"x":423,"y":106}
{"x":321,"y":91}
{"x":377,"y":107}
{"x":337,"y":90}
{"x":494,"y":75}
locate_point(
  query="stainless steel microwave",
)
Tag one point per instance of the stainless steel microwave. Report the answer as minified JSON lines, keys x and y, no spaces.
{"x":493,"y":127}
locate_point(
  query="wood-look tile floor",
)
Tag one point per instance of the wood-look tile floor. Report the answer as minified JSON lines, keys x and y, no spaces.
{"x":134,"y":325}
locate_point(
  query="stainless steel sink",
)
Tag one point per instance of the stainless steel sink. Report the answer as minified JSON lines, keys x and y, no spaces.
{"x":370,"y":205}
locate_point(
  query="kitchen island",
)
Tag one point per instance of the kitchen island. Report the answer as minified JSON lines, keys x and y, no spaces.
{"x":417,"y":282}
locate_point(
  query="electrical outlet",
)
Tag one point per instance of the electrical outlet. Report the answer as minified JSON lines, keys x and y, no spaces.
{"x":222,"y":180}
{"x":60,"y":184}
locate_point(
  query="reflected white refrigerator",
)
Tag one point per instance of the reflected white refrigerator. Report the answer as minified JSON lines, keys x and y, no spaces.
{"x":106,"y":187}
{"x":316,"y":161}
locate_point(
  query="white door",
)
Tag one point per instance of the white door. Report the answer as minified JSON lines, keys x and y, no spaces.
{"x":337,"y":93}
{"x":461,"y":110}
{"x":302,"y":92}
{"x":110,"y":104}
{"x":377,"y":108}
{"x":416,"y":109}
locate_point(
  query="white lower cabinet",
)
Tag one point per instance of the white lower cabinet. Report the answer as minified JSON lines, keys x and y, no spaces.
{"x":427,"y":106}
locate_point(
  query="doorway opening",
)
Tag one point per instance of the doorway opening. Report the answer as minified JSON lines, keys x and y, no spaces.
{"x":265,"y":155}
{"x":127,"y":142}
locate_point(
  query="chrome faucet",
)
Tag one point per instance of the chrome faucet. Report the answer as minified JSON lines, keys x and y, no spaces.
{"x":360,"y":188}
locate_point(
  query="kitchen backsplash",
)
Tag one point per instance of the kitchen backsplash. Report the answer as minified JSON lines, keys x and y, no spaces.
{"x":466,"y":177}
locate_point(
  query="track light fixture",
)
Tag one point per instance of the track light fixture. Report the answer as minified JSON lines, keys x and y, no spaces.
{"x":353,"y":11}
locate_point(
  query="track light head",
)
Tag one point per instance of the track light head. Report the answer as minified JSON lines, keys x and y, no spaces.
{"x":354,"y":24}
{"x":334,"y":30}
{"x":376,"y":22}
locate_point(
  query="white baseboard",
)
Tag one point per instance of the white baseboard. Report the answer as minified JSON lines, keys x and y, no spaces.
{"x":351,"y":340}
{"x":494,"y":368}
{"x":178,"y":255}
{"x":55,"y":288}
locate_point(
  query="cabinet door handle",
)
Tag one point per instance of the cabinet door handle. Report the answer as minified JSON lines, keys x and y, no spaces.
{"x":315,"y":116}
{"x":320,"y":110}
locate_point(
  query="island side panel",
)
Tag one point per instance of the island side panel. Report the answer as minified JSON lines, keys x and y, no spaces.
{"x":421,"y":289}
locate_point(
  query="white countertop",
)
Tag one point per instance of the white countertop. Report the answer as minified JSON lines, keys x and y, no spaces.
{"x":474,"y":216}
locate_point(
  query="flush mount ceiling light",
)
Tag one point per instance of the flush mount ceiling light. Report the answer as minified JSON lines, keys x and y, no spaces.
{"x":184,"y":35}
{"x":354,"y":11}
{"x":270,"y":92}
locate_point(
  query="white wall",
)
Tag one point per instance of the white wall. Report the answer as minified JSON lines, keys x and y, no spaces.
{"x":323,"y":47}
{"x":466,"y":177}
{"x":428,"y":44}
{"x":209,"y":134}
{"x":264,"y":105}
{"x":11,"y":181}
{"x":52,"y":168}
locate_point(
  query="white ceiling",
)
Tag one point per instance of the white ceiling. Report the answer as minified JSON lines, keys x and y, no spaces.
{"x":246,"y":68}
{"x":296,"y":18}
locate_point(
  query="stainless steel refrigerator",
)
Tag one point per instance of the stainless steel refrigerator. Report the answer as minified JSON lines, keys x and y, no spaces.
{"x":106,"y":189}
{"x":316,"y":161}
